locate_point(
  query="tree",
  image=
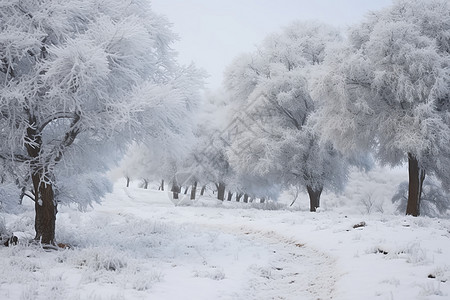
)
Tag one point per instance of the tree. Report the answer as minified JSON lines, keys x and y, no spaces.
{"x":272,"y":87}
{"x":210,"y":159}
{"x":80,"y":79}
{"x":387,"y":91}
{"x":147,"y":162}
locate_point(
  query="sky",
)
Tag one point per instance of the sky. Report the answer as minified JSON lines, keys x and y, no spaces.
{"x":212,"y":32}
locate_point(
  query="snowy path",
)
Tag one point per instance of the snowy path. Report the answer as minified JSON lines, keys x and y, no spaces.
{"x":294,"y":271}
{"x":138,"y":245}
{"x":240,"y":260}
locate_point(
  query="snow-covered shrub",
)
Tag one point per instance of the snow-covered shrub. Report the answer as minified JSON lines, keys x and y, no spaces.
{"x":371,"y":204}
{"x":432,"y":289}
{"x":213,"y":273}
{"x":434,"y":200}
{"x":270,"y":205}
{"x":98,"y":259}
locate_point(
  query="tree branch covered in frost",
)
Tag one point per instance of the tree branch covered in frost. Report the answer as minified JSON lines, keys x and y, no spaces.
{"x":272,"y":86}
{"x":83,"y":77}
{"x":82,"y":189}
{"x":387,"y":89}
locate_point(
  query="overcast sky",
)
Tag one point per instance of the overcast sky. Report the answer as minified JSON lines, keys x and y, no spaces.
{"x":213,"y":32}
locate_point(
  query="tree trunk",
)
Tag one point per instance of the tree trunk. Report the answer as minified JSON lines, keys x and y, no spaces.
{"x":186,"y":190}
{"x":220,"y":191}
{"x":245,"y":198}
{"x":193,"y":190}
{"x":238,"y":197}
{"x":175,"y":189}
{"x":128,"y":181}
{"x":262,"y":200}
{"x":202,"y":191}
{"x":145,"y":184}
{"x":45,"y":205}
{"x":161,"y":187}
{"x":230,"y":195}
{"x":314,"y":197}
{"x":416,"y":178}
{"x":46,"y":209}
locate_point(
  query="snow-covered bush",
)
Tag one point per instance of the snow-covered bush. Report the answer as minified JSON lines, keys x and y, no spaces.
{"x":101,"y":259}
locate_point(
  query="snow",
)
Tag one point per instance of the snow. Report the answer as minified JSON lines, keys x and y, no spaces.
{"x":138,"y":245}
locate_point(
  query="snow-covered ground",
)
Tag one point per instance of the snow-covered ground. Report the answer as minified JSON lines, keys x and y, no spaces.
{"x":138,"y":245}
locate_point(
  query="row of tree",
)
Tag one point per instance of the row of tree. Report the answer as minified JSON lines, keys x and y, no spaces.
{"x":81,"y":81}
{"x":309,"y":102}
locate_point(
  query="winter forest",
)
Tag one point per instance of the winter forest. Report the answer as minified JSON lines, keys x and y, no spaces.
{"x":318,"y":170}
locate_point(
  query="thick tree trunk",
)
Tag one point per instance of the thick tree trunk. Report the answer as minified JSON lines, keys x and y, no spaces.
{"x":314,"y":197}
{"x":220,"y":191}
{"x":245,"y":198}
{"x":229,"y":196}
{"x":46,"y":209}
{"x":202,"y":191}
{"x":238,"y":197}
{"x":193,"y":190}
{"x":416,"y":178}
{"x":175,"y":189}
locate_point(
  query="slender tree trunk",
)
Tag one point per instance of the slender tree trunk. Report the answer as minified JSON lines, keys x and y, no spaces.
{"x":229,"y":196}
{"x":202,"y":191}
{"x":145,"y":184}
{"x":238,"y":197}
{"x":193,"y":190}
{"x":128,"y":181}
{"x":220,"y":191}
{"x":245,"y":198}
{"x":314,"y":197}
{"x":161,"y":187}
{"x":46,"y":209}
{"x":416,"y":178}
{"x":186,"y":190}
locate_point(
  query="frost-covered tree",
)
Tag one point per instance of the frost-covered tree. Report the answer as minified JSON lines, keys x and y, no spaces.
{"x":78,"y":80}
{"x":387,"y":91}
{"x":208,"y":162}
{"x":271,"y":86}
{"x":150,"y":162}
